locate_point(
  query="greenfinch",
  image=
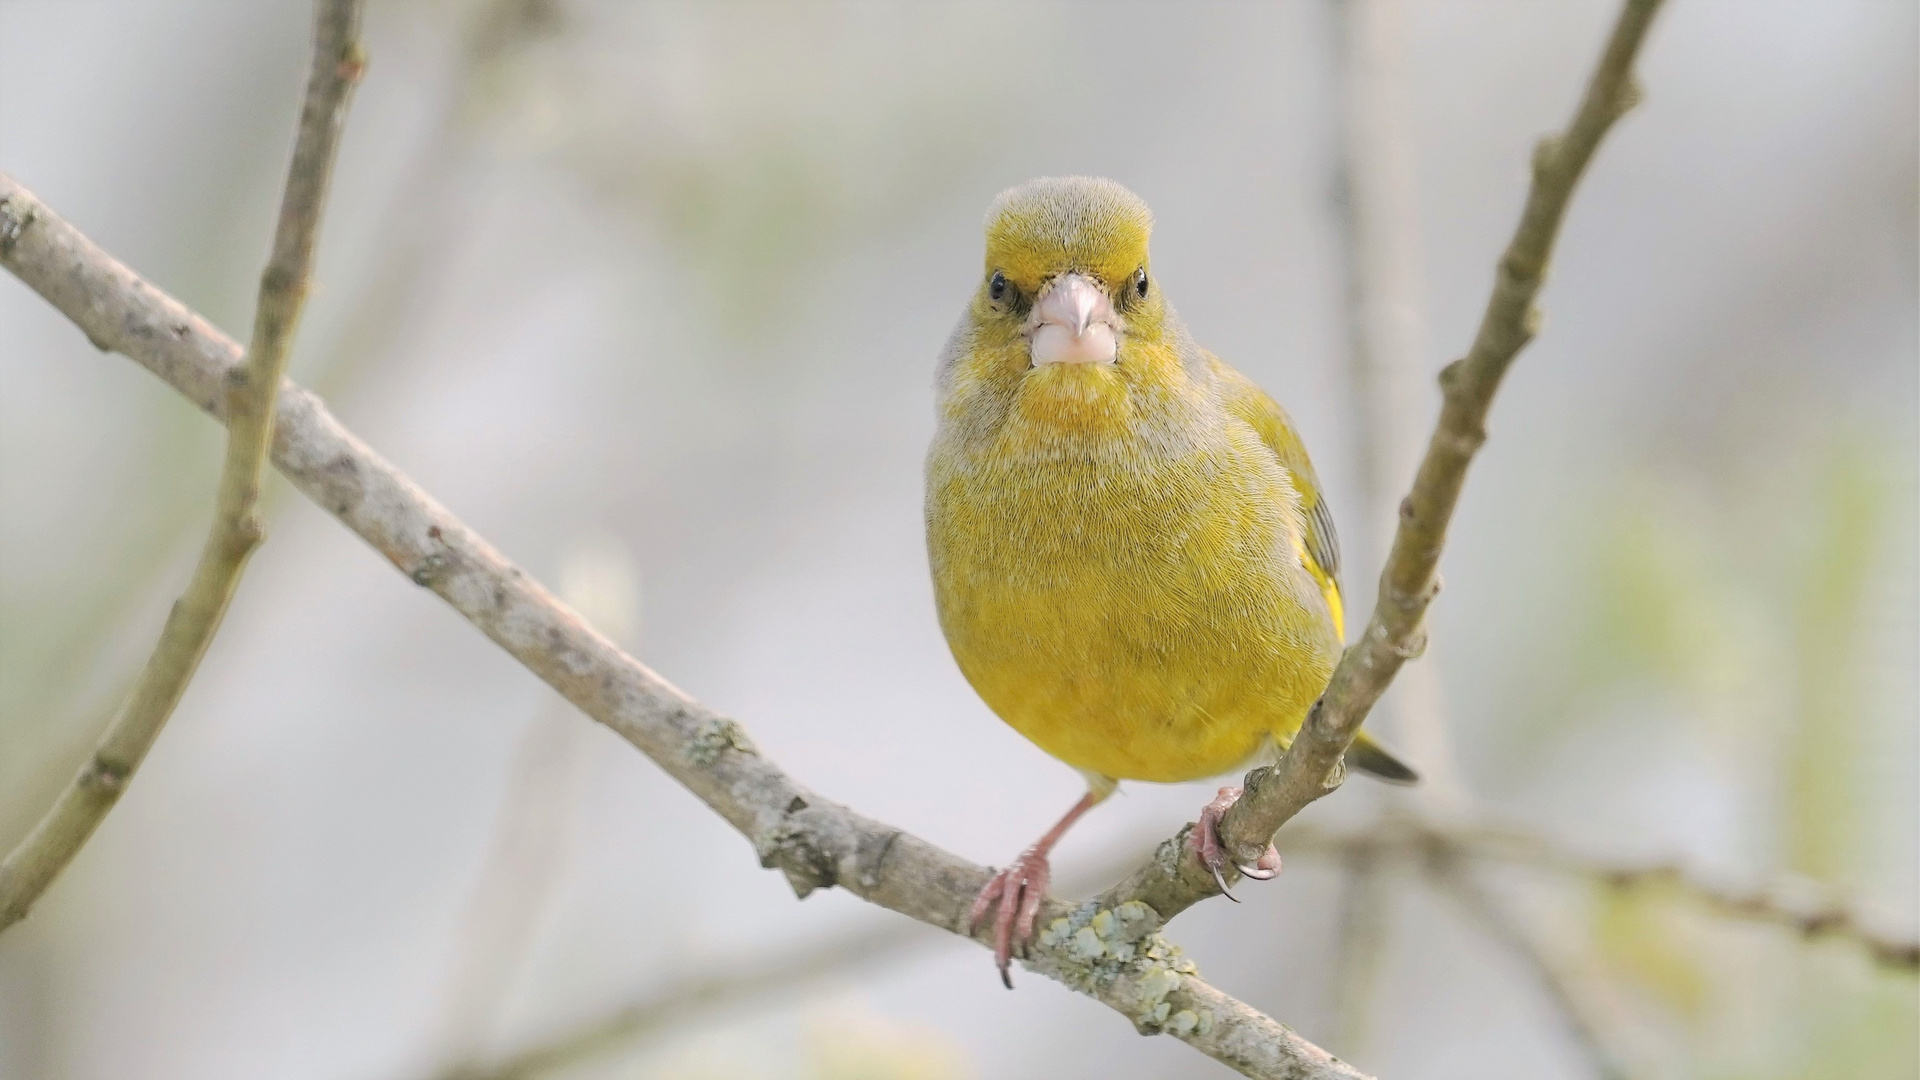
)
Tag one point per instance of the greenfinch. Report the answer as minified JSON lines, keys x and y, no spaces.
{"x":1131,"y":557}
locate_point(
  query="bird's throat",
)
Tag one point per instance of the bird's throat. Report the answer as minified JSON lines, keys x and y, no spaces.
{"x":1072,"y":401}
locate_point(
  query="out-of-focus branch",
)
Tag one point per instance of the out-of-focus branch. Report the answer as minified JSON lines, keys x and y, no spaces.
{"x":517,"y":885}
{"x":1570,"y":990}
{"x":876,"y":943}
{"x":249,"y":390}
{"x":1378,"y":225}
{"x":1311,"y":767}
{"x":1801,"y":906}
{"x":1119,"y":960}
{"x":694,"y":997}
{"x":533,"y":839}
{"x":1805,"y":907}
{"x":1365,"y":922}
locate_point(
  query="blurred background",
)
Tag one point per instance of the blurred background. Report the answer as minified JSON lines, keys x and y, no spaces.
{"x":649,"y":294}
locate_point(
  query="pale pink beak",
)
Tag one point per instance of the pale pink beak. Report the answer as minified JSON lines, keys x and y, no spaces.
{"x":1073,"y":323}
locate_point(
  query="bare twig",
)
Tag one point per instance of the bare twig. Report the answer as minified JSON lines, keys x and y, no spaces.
{"x":814,"y":842}
{"x":694,"y":997}
{"x":1366,"y":904}
{"x":872,"y":944}
{"x":1379,"y":235}
{"x":1378,"y":227}
{"x":534,"y":836}
{"x":1311,"y":767}
{"x":518,"y":883}
{"x":1571,"y":991}
{"x":248,"y":390}
{"x":1801,"y":906}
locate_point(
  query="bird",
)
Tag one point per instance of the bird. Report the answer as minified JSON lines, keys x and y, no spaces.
{"x":1133,"y":562}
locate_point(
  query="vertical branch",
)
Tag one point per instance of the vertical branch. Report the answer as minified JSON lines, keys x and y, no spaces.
{"x":251,"y":390}
{"x":1395,"y":632}
{"x":1365,"y":922}
{"x":535,"y":835}
{"x":1378,"y":227}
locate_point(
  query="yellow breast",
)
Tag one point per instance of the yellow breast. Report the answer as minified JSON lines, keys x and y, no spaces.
{"x":1129,"y":596}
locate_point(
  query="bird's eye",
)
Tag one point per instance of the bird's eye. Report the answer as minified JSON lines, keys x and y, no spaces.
{"x":1140,"y":283}
{"x":997,"y":287}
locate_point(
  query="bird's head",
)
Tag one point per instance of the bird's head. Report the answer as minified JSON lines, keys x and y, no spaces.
{"x":1066,"y":306}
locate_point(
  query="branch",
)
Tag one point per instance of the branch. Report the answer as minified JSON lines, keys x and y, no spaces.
{"x":1798,"y":905}
{"x":691,"y":998}
{"x":1366,"y":922}
{"x":1569,"y":990}
{"x":1802,"y":906}
{"x":1312,"y":766}
{"x":814,"y":842}
{"x":247,"y":392}
{"x":1378,"y":228}
{"x":688,"y":1002}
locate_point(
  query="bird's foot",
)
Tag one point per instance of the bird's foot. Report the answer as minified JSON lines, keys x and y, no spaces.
{"x":1018,"y":890}
{"x":1205,"y":841}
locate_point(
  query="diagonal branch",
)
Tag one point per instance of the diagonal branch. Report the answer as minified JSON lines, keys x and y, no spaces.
{"x":1312,"y":765}
{"x":689,"y":999}
{"x":248,"y":390}
{"x":1570,"y":990}
{"x":815,"y":843}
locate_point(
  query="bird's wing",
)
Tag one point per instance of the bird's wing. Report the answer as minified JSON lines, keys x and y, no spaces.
{"x":1322,"y":545}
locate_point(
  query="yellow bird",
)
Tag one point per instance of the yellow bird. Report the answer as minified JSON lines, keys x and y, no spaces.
{"x":1131,"y":558}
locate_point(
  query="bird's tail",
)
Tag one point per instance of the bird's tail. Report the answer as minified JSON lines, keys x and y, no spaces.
{"x":1375,"y":760}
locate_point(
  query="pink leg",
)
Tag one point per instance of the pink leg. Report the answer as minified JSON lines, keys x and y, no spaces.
{"x":1205,"y":841}
{"x":1019,"y":889}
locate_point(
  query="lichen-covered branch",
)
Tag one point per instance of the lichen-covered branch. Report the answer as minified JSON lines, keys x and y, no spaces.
{"x":248,"y":391}
{"x":814,"y":842}
{"x":1311,"y":767}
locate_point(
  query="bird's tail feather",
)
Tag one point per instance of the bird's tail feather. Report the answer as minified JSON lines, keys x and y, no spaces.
{"x":1375,"y":760}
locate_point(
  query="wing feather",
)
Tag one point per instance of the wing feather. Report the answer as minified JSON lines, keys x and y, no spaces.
{"x":1276,"y":430}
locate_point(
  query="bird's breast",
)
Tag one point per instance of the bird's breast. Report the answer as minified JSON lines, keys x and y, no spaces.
{"x":1139,"y":611}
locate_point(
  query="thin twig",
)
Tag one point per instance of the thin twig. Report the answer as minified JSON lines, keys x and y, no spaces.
{"x":536,"y":831}
{"x":1377,"y":225}
{"x":814,"y":842}
{"x":1365,"y":922}
{"x":249,"y":390}
{"x":874,"y":943}
{"x":1804,"y":907}
{"x":518,"y":883}
{"x":1378,"y":228}
{"x":1311,"y":767}
{"x":699,"y":996}
{"x":1570,"y":991}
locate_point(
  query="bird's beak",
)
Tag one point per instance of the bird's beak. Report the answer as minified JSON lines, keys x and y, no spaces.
{"x":1073,"y":323}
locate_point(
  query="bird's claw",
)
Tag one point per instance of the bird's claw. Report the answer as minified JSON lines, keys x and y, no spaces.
{"x":1205,"y":841}
{"x":1018,"y":891}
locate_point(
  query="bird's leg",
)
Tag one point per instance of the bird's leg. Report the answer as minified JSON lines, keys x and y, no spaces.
{"x":1019,"y":889}
{"x":1205,"y":841}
